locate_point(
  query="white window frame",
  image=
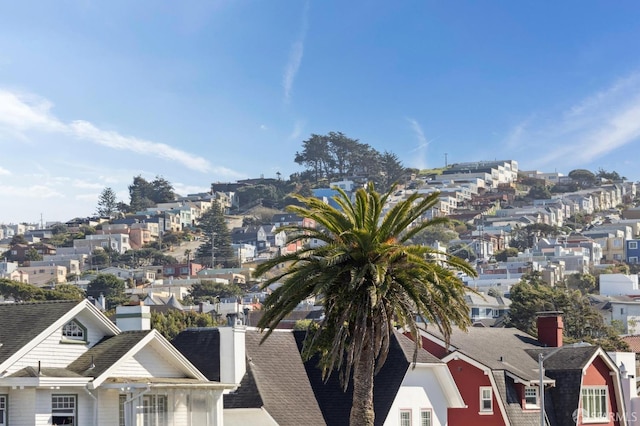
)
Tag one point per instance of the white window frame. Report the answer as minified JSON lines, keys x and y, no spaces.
{"x":4,"y":404}
{"x":533,"y":393}
{"x":153,"y":410}
{"x":591,"y":401}
{"x":633,"y":245}
{"x":64,"y":405}
{"x":486,"y":397}
{"x":74,"y":331}
{"x":426,"y":417}
{"x":404,"y":421}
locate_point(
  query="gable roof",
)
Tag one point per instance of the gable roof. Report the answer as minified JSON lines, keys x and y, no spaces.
{"x":479,"y":343}
{"x":336,"y":403}
{"x":275,"y":376}
{"x":106,"y":353}
{"x":14,"y":317}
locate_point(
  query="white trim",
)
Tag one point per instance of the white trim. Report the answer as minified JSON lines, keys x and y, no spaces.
{"x":487,"y":371}
{"x":483,"y":411}
{"x":615,"y":378}
{"x":57,"y":324}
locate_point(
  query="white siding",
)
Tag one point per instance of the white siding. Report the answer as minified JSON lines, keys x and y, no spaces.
{"x":21,"y":407}
{"x":147,"y":363}
{"x":52,"y":353}
{"x":108,"y":407}
{"x":420,"y":389}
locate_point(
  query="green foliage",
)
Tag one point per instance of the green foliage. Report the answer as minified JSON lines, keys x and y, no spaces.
{"x":441,"y":233}
{"x":463,"y":251}
{"x":110,"y":286}
{"x":17,"y":239}
{"x":215,"y":232}
{"x":503,"y":255}
{"x":211,"y":291}
{"x":612,"y":176}
{"x":582,"y":322}
{"x":583,"y":178}
{"x":539,"y":192}
{"x":585,"y":283}
{"x":144,"y":194}
{"x":335,"y":156}
{"x":171,"y":323}
{"x":107,"y":203}
{"x":369,"y":279}
{"x":22,"y":292}
{"x":32,"y":254}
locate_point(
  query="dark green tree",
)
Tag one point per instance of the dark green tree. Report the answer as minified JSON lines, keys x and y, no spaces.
{"x":107,"y":203}
{"x":503,"y":255}
{"x":583,"y":178}
{"x":162,"y":191}
{"x":539,"y":192}
{"x":315,"y":156}
{"x":392,"y":169}
{"x":172,"y":322}
{"x":32,"y":254}
{"x":442,"y":233}
{"x":140,"y":194}
{"x":582,"y":322}
{"x":110,"y":286}
{"x":369,"y":281}
{"x":216,"y":234}
{"x":211,"y":291}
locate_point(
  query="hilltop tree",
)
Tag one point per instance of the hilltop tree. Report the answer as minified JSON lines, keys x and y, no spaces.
{"x":210,"y":291}
{"x":216,"y":235}
{"x":144,"y":194}
{"x":583,"y":178}
{"x":171,"y":323}
{"x":107,"y":203}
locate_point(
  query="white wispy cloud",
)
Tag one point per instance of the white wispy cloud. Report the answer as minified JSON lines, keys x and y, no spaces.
{"x":295,"y":56}
{"x":421,"y":149}
{"x":32,"y":191}
{"x":593,"y":127}
{"x":4,"y":172}
{"x":20,"y":113}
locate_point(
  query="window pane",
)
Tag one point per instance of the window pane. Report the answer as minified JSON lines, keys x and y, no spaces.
{"x":425,"y":418}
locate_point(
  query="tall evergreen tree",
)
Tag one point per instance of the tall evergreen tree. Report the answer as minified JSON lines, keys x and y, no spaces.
{"x":107,"y":202}
{"x":215,"y":231}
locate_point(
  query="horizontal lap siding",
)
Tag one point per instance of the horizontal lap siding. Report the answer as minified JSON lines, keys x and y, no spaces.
{"x":147,"y":363}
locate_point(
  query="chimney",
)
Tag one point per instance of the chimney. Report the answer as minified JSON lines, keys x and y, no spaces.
{"x":550,"y":328}
{"x":233,"y":362}
{"x":133,"y":317}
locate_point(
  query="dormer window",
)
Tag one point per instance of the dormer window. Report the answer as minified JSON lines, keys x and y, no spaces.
{"x":531,"y":397}
{"x":74,"y":331}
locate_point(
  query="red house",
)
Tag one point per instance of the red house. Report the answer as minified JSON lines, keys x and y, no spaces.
{"x":497,"y":371}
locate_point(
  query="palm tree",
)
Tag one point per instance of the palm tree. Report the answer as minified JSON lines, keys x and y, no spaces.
{"x":368,"y":279}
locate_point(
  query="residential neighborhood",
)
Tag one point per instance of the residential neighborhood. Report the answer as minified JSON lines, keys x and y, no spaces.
{"x":105,"y":359}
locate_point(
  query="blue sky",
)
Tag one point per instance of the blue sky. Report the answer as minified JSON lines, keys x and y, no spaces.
{"x":94,"y":93}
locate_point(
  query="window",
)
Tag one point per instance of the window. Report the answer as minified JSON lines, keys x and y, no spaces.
{"x":531,"y":397}
{"x":3,"y":410}
{"x":633,"y":245}
{"x":633,"y":259}
{"x":405,"y":417}
{"x":63,"y":410}
{"x":154,"y":410}
{"x":594,"y":404}
{"x":121,"y":401}
{"x":425,"y":417}
{"x":486,"y":399}
{"x":73,"y":330}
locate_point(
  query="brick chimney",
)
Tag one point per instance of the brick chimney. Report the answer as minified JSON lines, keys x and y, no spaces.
{"x":550,"y":328}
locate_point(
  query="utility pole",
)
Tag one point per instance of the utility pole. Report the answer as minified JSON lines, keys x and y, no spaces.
{"x":541,"y":368}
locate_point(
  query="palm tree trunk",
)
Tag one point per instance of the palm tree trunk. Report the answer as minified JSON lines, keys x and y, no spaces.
{"x":362,"y":413}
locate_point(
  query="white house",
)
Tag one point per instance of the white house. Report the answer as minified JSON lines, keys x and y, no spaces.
{"x":618,"y":284}
{"x":67,"y":363}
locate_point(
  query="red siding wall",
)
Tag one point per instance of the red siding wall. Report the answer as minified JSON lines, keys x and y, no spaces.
{"x":469,"y":379}
{"x":598,"y":375}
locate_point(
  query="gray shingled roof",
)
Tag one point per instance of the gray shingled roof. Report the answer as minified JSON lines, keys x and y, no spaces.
{"x":106,"y":353}
{"x":479,"y":343}
{"x":281,"y":379}
{"x":22,"y":322}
